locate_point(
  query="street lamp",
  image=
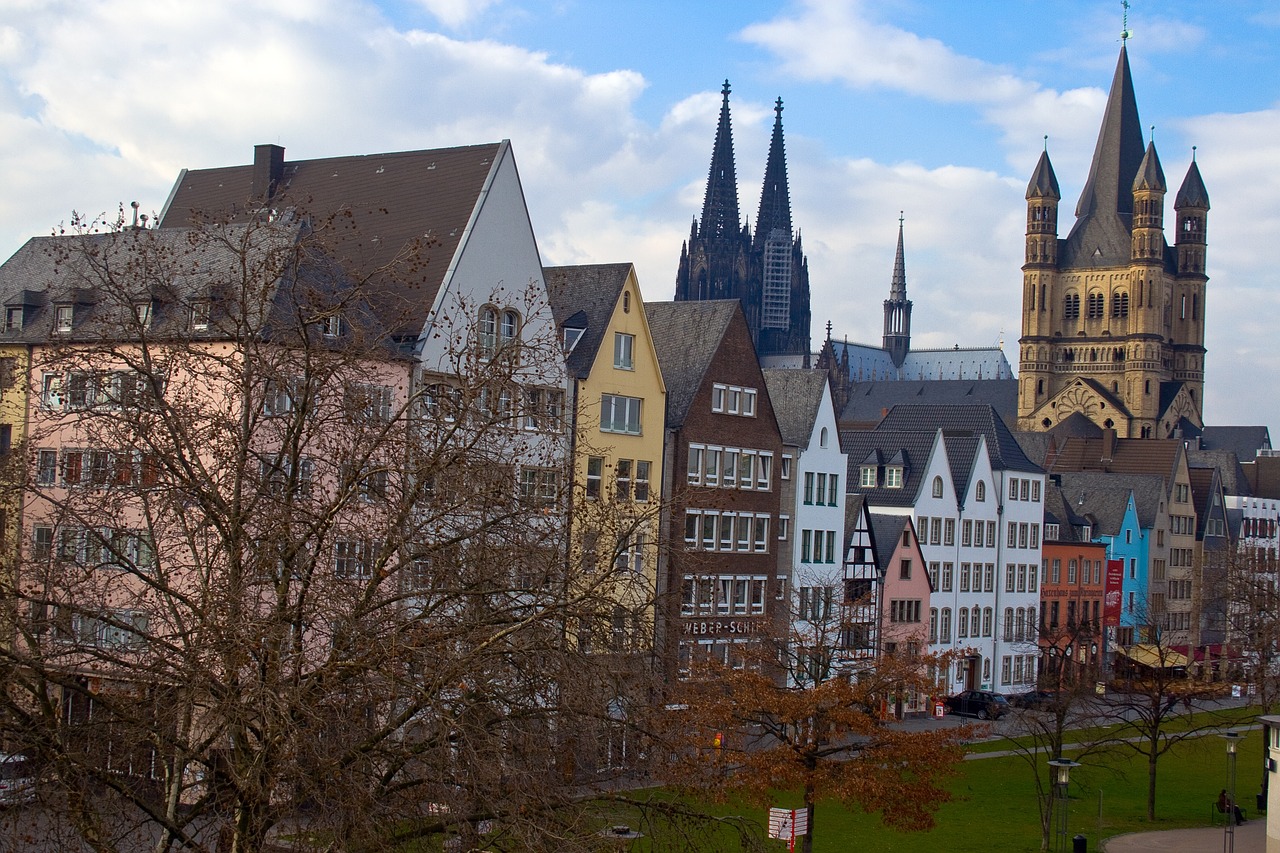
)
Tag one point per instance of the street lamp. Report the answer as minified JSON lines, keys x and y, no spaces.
{"x":1229,"y":832}
{"x":1061,"y":779}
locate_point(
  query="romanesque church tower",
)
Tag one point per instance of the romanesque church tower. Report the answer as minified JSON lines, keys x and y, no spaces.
{"x":768,"y":273}
{"x":1112,"y":316}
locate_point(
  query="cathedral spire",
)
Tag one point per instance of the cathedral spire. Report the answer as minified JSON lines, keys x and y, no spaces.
{"x":897,"y":308}
{"x":720,"y":207}
{"x":898,"y":285}
{"x":1104,"y":215}
{"x":775,"y":197}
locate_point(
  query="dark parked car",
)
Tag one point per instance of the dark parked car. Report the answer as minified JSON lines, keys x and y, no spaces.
{"x":982,"y":704}
{"x":1036,"y":699}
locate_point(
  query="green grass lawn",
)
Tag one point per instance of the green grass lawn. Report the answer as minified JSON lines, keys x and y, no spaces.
{"x":995,"y":807}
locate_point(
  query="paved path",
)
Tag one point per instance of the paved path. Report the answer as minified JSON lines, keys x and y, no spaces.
{"x":1250,"y":838}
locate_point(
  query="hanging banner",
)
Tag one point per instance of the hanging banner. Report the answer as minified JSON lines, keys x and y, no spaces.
{"x":1113,"y":594}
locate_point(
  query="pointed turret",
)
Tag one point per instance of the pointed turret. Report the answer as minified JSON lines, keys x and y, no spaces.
{"x":897,"y":308}
{"x":1191,"y":209}
{"x":1149,"y":188}
{"x":1043,"y":196}
{"x":1104,"y":215}
{"x":1192,"y":192}
{"x":775,"y":197}
{"x":720,"y":206}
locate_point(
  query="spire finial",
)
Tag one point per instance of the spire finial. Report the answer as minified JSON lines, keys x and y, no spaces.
{"x":1153,"y":133}
{"x":1193,"y":153}
{"x":900,"y":218}
{"x":725,"y":90}
{"x":828,"y":330}
{"x":777,"y":107}
{"x":1046,"y":143}
{"x":1124,"y":32}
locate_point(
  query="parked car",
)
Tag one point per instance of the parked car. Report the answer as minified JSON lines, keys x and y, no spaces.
{"x":1034,"y":699}
{"x":17,"y":779}
{"x":982,"y":704}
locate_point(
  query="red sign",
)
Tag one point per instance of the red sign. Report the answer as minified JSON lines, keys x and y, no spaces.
{"x":1113,"y":594}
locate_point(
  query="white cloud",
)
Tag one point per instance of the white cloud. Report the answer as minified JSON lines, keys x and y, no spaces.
{"x":456,"y":13}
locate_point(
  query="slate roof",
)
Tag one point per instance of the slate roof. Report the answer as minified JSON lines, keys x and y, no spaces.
{"x":1005,"y":452}
{"x":105,"y":275}
{"x":868,"y":363}
{"x":1104,"y":214}
{"x":592,"y":290}
{"x":1104,"y":497}
{"x":1234,"y":481}
{"x":886,"y":532}
{"x":395,"y":201}
{"x":796,"y":396}
{"x":1244,"y":441}
{"x":868,"y":401}
{"x":686,"y":336}
{"x":911,"y":449}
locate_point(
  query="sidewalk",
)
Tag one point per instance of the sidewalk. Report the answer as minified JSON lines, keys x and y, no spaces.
{"x":1250,"y":838}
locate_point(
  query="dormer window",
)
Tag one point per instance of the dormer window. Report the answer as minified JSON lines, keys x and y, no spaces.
{"x":142,"y":313}
{"x":1051,"y":532}
{"x":571,"y":338}
{"x":331,"y":327}
{"x":867,"y":476}
{"x":1086,"y":532}
{"x":200,"y":315}
{"x":13,"y":319}
{"x":893,"y":477}
{"x":63,"y":317}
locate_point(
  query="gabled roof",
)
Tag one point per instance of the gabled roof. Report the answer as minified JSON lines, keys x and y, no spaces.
{"x":909,"y":449}
{"x":886,"y":533}
{"x":1003,"y":448}
{"x":686,"y":336}
{"x":589,"y":290}
{"x":389,"y":203}
{"x":104,"y":276}
{"x":962,"y":454}
{"x":1204,"y":483}
{"x":868,"y":401}
{"x":1234,"y":481}
{"x":1105,"y":497}
{"x":1244,"y":441}
{"x":1157,"y":456}
{"x":796,"y":396}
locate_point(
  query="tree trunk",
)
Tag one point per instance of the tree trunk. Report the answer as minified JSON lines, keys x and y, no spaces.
{"x":1152,"y":757}
{"x":807,"y":845}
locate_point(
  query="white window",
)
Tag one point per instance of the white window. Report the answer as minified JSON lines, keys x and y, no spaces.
{"x":351,"y":559}
{"x":867,"y":477}
{"x":369,"y":404}
{"x":62,"y":319}
{"x":620,"y":414}
{"x":331,"y":326}
{"x":893,"y":477}
{"x":199,"y":316}
{"x":937,"y":487}
{"x":623,"y":349}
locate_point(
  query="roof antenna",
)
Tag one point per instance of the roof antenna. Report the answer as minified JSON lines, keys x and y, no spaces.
{"x":1124,"y":33}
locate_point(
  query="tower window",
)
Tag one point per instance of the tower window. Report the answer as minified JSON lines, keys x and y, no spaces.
{"x":1071,"y":310}
{"x":1096,"y":304}
{"x":1120,"y":304}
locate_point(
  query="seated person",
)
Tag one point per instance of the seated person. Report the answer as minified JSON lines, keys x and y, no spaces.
{"x":1222,"y":807}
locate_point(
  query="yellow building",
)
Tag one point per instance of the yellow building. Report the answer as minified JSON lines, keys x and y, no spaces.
{"x":14,"y":359}
{"x":617,"y":406}
{"x":1113,"y":316}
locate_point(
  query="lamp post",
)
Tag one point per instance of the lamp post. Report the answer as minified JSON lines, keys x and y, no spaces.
{"x":1061,"y":768}
{"x":1229,"y":832}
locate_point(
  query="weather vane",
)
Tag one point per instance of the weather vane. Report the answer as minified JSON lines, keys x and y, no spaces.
{"x":1124,"y":32}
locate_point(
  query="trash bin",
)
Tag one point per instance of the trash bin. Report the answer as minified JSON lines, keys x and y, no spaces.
{"x":1261,"y":802}
{"x":1079,"y":844}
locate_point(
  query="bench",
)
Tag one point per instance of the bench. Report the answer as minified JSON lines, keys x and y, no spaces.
{"x":1217,"y":815}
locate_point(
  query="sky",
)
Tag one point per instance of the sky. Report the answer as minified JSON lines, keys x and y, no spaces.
{"x":935,"y":110}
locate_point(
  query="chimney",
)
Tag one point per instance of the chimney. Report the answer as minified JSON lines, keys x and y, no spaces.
{"x":268,"y":169}
{"x":1108,"y":445}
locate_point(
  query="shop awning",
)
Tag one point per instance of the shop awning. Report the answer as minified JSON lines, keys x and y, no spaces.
{"x":1153,"y":656}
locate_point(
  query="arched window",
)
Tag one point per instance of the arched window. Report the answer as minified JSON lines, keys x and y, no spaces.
{"x":1120,"y":304}
{"x":1008,"y":624}
{"x":822,"y":438}
{"x":488,"y":331}
{"x":510,"y":326}
{"x":974,"y":622}
{"x":1071,"y":308}
{"x":962,"y":623}
{"x":937,"y":487}
{"x":980,"y":493}
{"x":1096,"y":305}
{"x":986,"y":621}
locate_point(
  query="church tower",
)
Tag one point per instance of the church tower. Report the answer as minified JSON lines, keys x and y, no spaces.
{"x":1112,"y":317}
{"x":897,"y":309}
{"x":769,"y":273}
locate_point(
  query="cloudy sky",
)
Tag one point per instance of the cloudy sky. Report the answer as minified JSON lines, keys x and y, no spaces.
{"x":937,"y":108}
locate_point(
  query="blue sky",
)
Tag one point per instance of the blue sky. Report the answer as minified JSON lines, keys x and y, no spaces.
{"x":938,"y":109}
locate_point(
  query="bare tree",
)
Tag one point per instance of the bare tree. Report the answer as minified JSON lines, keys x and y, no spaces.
{"x":272,"y":566}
